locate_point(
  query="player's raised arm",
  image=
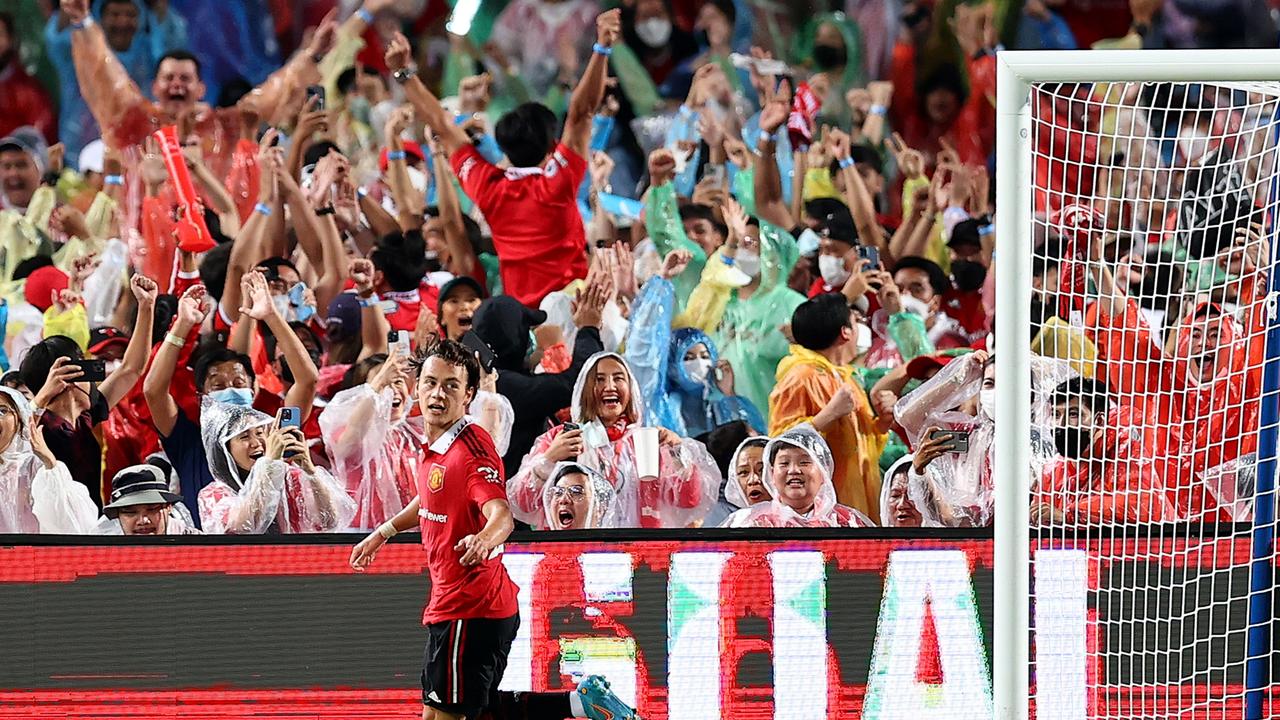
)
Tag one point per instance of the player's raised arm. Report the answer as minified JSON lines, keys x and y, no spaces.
{"x":590,"y":91}
{"x":399,"y":59}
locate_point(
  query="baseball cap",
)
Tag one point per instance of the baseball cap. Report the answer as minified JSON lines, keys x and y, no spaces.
{"x":457,"y":282}
{"x":92,"y":157}
{"x":41,"y":284}
{"x":344,"y":317}
{"x":101,"y":338}
{"x":919,"y":368}
{"x":28,"y":140}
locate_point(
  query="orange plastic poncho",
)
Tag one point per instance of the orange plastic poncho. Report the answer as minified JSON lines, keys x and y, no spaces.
{"x":806,"y":382}
{"x":1193,"y":424}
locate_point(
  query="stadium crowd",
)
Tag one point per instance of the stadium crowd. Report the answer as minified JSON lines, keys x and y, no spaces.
{"x":719,"y":264}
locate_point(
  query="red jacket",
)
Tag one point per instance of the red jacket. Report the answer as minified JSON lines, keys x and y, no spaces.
{"x":23,"y":101}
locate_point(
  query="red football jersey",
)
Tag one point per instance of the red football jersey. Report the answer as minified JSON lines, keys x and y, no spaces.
{"x":533,"y":213}
{"x":459,"y":473}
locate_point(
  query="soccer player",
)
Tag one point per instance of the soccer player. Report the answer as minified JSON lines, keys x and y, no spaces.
{"x":471,"y":616}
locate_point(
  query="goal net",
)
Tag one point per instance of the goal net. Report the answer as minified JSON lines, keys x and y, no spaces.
{"x":1151,"y":211}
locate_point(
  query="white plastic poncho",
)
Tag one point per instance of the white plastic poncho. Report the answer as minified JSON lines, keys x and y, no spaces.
{"x":36,"y":499}
{"x":601,"y":501}
{"x":733,"y":492}
{"x":276,"y":497}
{"x":688,"y":480}
{"x":494,"y":413}
{"x":376,"y":458}
{"x":826,"y":512}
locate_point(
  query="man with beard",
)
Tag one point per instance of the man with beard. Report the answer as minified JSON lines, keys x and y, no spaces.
{"x":1105,"y":472}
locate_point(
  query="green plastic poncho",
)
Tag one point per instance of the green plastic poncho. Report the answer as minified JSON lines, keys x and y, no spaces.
{"x":834,"y":108}
{"x":662,"y":221}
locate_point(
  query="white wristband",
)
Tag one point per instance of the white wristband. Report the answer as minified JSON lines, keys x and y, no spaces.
{"x":387,"y":530}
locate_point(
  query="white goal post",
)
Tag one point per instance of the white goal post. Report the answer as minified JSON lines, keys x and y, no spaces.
{"x":1256,"y":72}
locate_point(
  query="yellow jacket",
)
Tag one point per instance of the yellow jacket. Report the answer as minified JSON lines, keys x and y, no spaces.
{"x":806,"y":381}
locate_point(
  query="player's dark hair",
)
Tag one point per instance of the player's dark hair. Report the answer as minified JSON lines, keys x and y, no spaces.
{"x":179,"y":55}
{"x":217,"y":356}
{"x":527,"y":133}
{"x":454,"y":353}
{"x":39,"y":360}
{"x":816,"y":324}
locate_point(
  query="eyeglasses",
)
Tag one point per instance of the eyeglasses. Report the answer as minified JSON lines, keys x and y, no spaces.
{"x":575,"y":492}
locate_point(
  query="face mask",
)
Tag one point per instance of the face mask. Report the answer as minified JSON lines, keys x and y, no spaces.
{"x":829,"y":56}
{"x":748,"y":262}
{"x":418,"y":180}
{"x":233,"y":396}
{"x":833,"y":270}
{"x":698,"y":369}
{"x":655,"y":32}
{"x":1071,"y":441}
{"x":808,"y":242}
{"x":916,"y":306}
{"x":987,"y":401}
{"x":283,"y":306}
{"x":864,"y":338}
{"x":702,"y":38}
{"x":969,"y":275}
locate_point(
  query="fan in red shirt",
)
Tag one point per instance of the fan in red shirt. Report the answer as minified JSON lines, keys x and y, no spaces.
{"x":472,"y":615}
{"x":532,"y":206}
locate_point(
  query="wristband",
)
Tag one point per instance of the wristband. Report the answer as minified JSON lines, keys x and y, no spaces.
{"x":846,"y":163}
{"x":403,"y":74}
{"x":395,"y":155}
{"x":766,"y":136}
{"x":387,"y":530}
{"x":602,"y":50}
{"x":263,"y":208}
{"x":175,"y":340}
{"x":370,"y":301}
{"x":326,"y":210}
{"x":86,"y":22}
{"x":878,"y":110}
{"x":727,"y":260}
{"x":113,"y":180}
{"x":365,"y":16}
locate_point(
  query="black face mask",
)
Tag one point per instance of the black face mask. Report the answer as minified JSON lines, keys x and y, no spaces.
{"x":1072,"y":441}
{"x":829,"y":56}
{"x":702,"y":38}
{"x":969,"y":275}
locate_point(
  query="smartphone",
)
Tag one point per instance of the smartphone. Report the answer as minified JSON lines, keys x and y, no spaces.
{"x":398,"y":342}
{"x":570,"y":426}
{"x":482,"y":350}
{"x":959,"y":439}
{"x":289,"y":417}
{"x":716,"y":173}
{"x":871,"y":255}
{"x":94,"y":371}
{"x":316,"y":91}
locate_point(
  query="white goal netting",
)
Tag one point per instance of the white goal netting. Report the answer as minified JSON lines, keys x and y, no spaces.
{"x":1155,"y":231}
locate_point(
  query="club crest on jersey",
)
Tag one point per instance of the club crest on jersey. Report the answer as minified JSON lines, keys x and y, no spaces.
{"x":435,"y":478}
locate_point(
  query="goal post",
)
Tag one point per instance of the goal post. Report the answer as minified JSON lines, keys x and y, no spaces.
{"x":1187,"y":490}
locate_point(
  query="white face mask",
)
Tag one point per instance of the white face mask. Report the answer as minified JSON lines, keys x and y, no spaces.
{"x":833,"y":270}
{"x":987,"y":401}
{"x":808,"y":242}
{"x":655,"y":32}
{"x":283,"y":306}
{"x":864,"y":338}
{"x":418,"y":180}
{"x":916,"y":306}
{"x":698,"y":369}
{"x":748,"y":262}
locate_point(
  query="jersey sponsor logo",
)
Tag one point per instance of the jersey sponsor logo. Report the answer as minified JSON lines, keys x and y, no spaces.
{"x":435,"y":517}
{"x":435,"y":478}
{"x":490,"y":474}
{"x":465,"y":170}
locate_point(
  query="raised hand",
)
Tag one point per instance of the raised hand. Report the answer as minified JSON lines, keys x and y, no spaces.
{"x":396,"y":365}
{"x":70,"y":222}
{"x":360,"y":270}
{"x":674,"y":263}
{"x":399,"y":55}
{"x":192,"y":308}
{"x":61,"y":375}
{"x":609,"y":27}
{"x":735,"y":217}
{"x":910,"y":162}
{"x":776,"y":112}
{"x":325,"y":37}
{"x":75,"y":10}
{"x":399,"y":119}
{"x":601,"y":170}
{"x":662,"y":167}
{"x":38,"y":445}
{"x":254,"y":290}
{"x":145,"y":290}
{"x":737,"y":152}
{"x":839,"y":143}
{"x":473,"y":93}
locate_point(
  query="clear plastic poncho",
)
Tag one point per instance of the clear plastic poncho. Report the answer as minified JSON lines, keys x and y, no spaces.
{"x":686,"y":487}
{"x":36,"y":499}
{"x":826,"y":512}
{"x":601,"y":500}
{"x":733,"y":492}
{"x":275,"y":496}
{"x":496,"y":415}
{"x":376,"y":457}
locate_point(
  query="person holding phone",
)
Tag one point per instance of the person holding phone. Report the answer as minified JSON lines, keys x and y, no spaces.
{"x":263,"y":479}
{"x":69,"y":407}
